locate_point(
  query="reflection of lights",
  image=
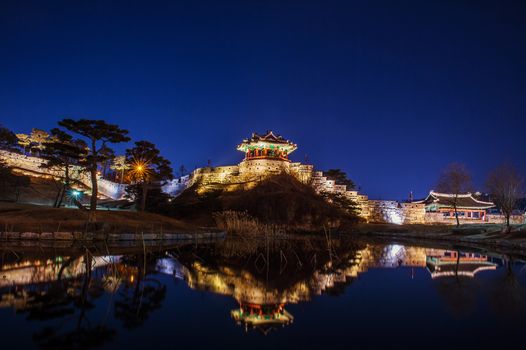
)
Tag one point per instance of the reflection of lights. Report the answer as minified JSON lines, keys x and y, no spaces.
{"x":471,"y":274}
{"x":170,"y":267}
{"x":394,"y":249}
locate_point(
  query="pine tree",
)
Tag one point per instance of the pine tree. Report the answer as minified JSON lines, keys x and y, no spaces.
{"x":147,"y":166}
{"x":98,"y":134}
{"x":62,"y":152}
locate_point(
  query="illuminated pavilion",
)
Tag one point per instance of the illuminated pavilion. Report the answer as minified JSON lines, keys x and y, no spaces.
{"x":269,"y":146}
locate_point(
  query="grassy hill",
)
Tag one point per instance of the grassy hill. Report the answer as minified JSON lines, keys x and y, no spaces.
{"x":281,"y":200}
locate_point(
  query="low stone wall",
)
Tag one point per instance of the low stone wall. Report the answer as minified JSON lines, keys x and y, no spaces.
{"x":81,"y":236}
{"x":439,"y":218}
{"x":501,"y":219}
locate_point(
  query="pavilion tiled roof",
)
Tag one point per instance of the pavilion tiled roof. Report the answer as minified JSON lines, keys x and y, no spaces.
{"x":465,"y":200}
{"x":268,"y":137}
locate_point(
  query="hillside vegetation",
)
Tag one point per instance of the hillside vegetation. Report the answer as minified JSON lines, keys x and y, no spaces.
{"x":280,"y":200}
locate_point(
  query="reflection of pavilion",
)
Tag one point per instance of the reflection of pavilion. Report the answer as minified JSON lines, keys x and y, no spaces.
{"x":263,"y":317}
{"x":451,"y":263}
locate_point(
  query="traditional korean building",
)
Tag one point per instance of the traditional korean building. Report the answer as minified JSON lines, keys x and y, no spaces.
{"x":468,"y":207}
{"x":268,"y":154}
{"x":268,"y":146}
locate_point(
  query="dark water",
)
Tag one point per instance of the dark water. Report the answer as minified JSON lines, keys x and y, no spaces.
{"x":260,"y":294}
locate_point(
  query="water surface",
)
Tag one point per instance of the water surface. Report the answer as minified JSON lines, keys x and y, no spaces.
{"x":262,"y":294}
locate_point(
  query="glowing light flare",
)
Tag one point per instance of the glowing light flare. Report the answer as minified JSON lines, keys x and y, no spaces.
{"x":140,"y":170}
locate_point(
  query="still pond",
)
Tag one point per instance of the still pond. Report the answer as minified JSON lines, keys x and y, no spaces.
{"x":267,"y":294}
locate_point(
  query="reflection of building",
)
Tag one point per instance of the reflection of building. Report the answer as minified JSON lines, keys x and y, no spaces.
{"x":263,"y":317}
{"x":452,"y":263}
{"x":46,"y":270}
{"x":16,"y":279}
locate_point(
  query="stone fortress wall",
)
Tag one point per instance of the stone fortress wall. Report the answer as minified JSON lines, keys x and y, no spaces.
{"x":253,"y":169}
{"x":385,"y":211}
{"x":33,"y":164}
{"x":248,"y":173}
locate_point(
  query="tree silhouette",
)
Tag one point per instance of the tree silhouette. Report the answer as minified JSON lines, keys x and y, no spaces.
{"x":61,"y":153}
{"x":68,"y":301}
{"x":99,"y":134}
{"x":340,"y":178}
{"x":455,"y":180}
{"x":147,"y":166}
{"x":506,"y":187}
{"x":135,"y":303}
{"x":8,"y":140}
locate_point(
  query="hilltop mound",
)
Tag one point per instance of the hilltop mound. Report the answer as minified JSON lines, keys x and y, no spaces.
{"x":280,"y":199}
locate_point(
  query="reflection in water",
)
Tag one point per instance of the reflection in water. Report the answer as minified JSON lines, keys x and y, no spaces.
{"x":263,"y":277}
{"x":458,"y":264}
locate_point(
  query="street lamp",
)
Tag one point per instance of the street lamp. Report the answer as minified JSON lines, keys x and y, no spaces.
{"x":75,"y":194}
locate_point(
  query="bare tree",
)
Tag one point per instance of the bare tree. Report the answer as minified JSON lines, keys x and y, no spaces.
{"x":455,"y":180}
{"x":506,"y":187}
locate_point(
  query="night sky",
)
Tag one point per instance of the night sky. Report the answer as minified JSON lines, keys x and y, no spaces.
{"x":389,"y":91}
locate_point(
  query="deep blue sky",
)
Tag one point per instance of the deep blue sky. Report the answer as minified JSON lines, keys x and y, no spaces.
{"x":389,"y":91}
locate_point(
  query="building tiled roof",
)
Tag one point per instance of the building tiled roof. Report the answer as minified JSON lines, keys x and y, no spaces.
{"x":465,"y":200}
